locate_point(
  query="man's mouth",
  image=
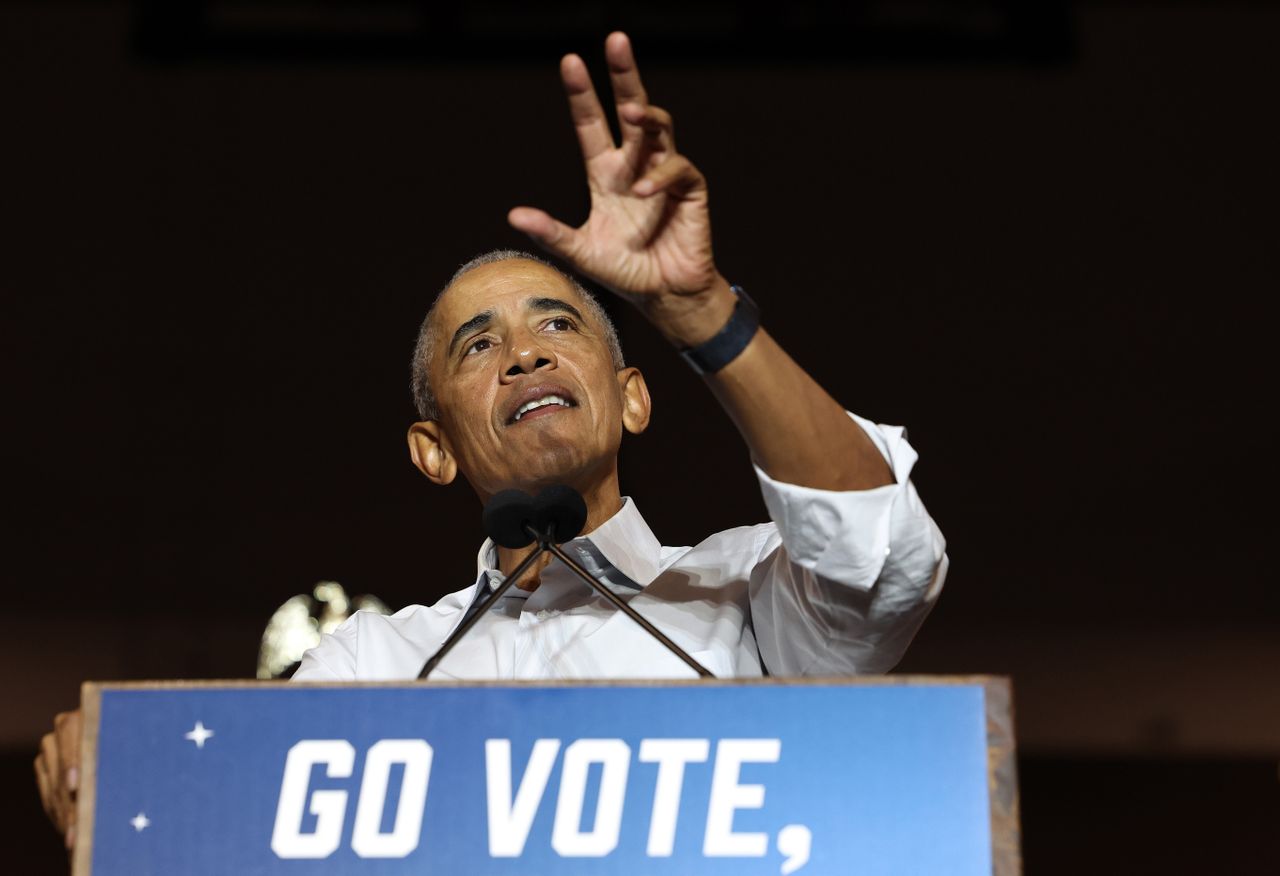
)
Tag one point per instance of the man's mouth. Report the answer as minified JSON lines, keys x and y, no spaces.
{"x":542,"y":402}
{"x":530,"y":407}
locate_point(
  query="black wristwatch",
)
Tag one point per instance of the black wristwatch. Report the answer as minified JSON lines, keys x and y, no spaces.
{"x":713,"y":354}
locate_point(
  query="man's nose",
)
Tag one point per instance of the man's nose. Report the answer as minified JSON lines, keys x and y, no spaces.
{"x":526,"y":356}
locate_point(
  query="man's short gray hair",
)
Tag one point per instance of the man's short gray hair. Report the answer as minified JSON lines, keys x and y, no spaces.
{"x":423,"y":397}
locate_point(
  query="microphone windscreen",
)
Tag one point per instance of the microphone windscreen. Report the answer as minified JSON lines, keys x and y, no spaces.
{"x":563,"y":509}
{"x":505,"y":517}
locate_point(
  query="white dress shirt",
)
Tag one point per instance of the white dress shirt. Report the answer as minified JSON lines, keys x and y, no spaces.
{"x":837,"y":584}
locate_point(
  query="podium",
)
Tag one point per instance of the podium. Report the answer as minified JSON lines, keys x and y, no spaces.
{"x":873,"y":775}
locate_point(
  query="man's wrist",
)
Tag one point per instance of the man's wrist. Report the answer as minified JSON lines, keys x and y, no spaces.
{"x":728,"y":344}
{"x":689,"y":320}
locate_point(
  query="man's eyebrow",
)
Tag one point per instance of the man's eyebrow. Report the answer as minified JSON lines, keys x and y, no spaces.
{"x":537,"y":305}
{"x":546,"y":305}
{"x":480,"y":320}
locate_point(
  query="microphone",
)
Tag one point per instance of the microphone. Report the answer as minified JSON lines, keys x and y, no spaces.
{"x":513,"y":519}
{"x":561,"y":512}
{"x":506,"y":517}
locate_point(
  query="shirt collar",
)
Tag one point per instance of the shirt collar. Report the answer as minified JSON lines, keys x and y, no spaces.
{"x":625,"y":540}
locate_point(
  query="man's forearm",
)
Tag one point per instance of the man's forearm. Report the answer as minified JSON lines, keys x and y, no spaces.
{"x":796,"y":432}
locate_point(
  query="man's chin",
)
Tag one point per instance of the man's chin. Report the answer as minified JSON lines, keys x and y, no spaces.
{"x":548,"y":466}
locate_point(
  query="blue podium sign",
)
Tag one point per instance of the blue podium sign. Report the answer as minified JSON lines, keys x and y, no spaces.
{"x":878,"y":776}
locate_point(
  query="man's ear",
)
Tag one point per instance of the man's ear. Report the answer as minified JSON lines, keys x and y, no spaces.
{"x":430,"y":452}
{"x":636,"y":405}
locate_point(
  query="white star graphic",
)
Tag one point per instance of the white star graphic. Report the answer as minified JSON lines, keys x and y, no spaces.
{"x":140,"y":822}
{"x":199,"y":734}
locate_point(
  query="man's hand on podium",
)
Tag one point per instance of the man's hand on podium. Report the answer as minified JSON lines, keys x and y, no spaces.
{"x":58,"y":773}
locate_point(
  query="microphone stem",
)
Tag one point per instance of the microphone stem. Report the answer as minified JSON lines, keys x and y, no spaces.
{"x":493,"y":597}
{"x":546,"y":544}
{"x":626,"y":609}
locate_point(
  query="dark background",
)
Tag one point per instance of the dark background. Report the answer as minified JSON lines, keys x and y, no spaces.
{"x":1043,"y":239}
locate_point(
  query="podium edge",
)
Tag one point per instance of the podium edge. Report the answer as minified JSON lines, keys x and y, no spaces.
{"x":90,"y":714}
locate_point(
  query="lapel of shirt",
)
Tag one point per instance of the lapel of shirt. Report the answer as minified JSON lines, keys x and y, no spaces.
{"x":628,"y":544}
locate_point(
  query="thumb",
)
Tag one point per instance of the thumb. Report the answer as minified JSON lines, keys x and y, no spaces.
{"x":551,"y":234}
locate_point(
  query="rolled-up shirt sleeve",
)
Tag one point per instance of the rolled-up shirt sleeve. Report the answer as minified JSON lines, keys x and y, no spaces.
{"x":847,"y":578}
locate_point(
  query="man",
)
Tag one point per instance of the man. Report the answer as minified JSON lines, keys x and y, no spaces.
{"x":520,"y":384}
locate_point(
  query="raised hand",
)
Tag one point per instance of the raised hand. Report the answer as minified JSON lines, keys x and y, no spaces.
{"x":648,"y":236}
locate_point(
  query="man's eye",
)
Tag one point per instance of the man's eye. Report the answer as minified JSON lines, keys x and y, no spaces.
{"x":560,"y":324}
{"x":478,"y":345}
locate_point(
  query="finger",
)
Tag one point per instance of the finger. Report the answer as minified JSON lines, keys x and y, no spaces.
{"x":624,"y":76}
{"x":551,"y":234}
{"x":584,"y":107}
{"x":677,"y":173}
{"x":57,"y":801}
{"x":67,"y":728}
{"x":49,"y":754}
{"x":45,"y":784}
{"x":657,"y":124}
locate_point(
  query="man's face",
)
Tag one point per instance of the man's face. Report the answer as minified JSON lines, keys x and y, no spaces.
{"x":524,"y":380}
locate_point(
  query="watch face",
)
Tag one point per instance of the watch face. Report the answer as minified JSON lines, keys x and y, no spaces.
{"x":742,"y":294}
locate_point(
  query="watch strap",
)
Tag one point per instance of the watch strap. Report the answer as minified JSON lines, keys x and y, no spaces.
{"x":728,"y":343}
